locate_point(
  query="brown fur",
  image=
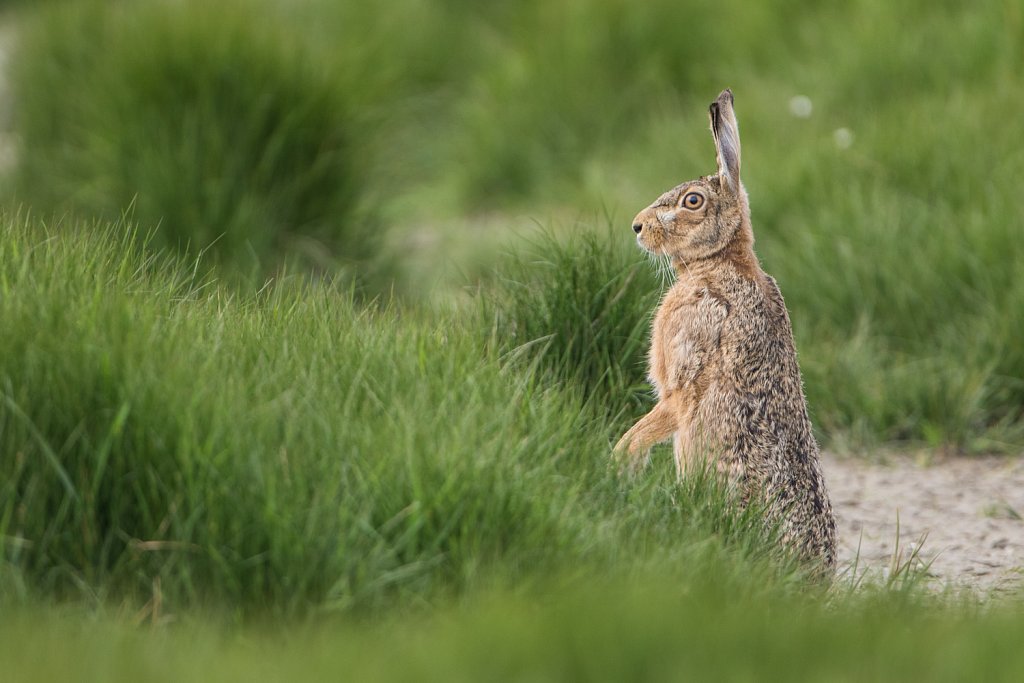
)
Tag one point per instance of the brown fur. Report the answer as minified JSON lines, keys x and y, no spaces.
{"x":722,"y":356}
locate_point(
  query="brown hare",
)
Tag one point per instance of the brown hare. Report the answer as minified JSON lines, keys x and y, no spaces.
{"x":722,"y":356}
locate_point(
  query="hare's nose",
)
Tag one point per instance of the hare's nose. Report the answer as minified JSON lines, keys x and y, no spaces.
{"x":637,"y":227}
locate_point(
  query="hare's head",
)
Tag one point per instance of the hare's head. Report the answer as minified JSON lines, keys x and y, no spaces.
{"x":700,"y":218}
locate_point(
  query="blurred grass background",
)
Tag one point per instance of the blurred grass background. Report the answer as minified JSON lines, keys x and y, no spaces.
{"x":199,"y":404}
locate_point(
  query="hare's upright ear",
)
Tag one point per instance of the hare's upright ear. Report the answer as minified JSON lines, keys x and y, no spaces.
{"x":727,"y":139}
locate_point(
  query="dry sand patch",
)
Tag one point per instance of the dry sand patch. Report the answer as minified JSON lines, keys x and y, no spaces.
{"x":968,"y":509}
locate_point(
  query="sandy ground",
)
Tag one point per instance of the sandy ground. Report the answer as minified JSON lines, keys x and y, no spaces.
{"x":967,"y":510}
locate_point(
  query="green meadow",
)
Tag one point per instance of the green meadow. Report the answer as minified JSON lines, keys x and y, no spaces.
{"x":318,"y":321}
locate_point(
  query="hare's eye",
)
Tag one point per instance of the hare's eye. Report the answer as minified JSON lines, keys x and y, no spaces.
{"x":693,"y":200}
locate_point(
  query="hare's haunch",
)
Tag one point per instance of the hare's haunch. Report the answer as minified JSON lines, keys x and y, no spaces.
{"x":722,"y":356}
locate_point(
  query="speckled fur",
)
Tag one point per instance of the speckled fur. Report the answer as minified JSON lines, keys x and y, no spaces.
{"x":722,"y":356}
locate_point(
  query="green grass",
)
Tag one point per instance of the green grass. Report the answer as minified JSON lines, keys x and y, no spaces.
{"x":580,"y":310}
{"x":562,"y":85}
{"x":610,"y":632}
{"x":203,"y":121}
{"x":288,"y":451}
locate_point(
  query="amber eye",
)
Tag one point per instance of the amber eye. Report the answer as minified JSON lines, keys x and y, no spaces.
{"x":692,"y":200}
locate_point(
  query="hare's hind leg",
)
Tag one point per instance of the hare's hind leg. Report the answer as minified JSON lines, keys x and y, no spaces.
{"x":690,"y":452}
{"x":679,"y":449}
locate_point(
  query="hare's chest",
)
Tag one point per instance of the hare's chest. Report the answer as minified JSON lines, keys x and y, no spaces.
{"x":685,"y":332}
{"x":657,"y":366}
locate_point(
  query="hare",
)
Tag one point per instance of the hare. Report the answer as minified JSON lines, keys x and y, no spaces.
{"x":722,"y":357}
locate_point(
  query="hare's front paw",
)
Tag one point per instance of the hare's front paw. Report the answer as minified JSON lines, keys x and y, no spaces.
{"x":629,"y":455}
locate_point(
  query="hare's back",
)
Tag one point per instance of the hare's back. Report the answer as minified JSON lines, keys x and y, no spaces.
{"x":759,"y":391}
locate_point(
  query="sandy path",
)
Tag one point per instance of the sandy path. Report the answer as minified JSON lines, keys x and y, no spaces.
{"x":969,"y":508}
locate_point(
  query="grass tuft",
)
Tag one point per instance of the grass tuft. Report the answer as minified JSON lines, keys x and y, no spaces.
{"x":209,"y":122}
{"x":580,"y":308}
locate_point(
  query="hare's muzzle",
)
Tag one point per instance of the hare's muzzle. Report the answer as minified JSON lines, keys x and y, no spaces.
{"x":648,"y":229}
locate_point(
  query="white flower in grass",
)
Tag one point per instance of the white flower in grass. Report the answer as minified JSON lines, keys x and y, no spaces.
{"x":843,"y":137}
{"x":801,"y":106}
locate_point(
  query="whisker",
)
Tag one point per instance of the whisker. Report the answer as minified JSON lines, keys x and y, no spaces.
{"x":666,"y":271}
{"x":687,"y":266}
{"x":659,"y":268}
